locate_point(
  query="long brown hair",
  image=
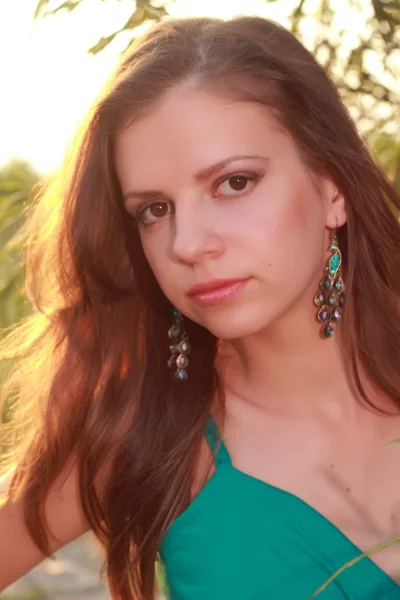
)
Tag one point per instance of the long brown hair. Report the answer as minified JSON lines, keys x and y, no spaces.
{"x":89,"y":377}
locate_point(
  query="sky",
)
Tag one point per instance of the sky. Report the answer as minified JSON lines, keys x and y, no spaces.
{"x":48,"y":80}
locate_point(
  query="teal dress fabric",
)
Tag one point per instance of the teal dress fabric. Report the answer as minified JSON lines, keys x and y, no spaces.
{"x":243,"y":539}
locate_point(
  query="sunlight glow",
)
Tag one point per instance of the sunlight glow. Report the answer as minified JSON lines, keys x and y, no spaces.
{"x":49,"y":80}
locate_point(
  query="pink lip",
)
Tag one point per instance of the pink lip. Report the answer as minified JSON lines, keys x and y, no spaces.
{"x":216,"y":290}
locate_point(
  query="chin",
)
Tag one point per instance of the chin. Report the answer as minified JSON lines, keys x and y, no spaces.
{"x":234,"y":325}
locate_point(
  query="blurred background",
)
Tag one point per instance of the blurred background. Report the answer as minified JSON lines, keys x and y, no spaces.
{"x":54,"y":59}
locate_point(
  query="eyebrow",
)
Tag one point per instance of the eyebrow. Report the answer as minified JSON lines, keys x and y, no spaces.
{"x":202,"y":175}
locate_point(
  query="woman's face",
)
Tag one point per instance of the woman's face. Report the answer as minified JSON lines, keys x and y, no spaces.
{"x":220,"y":193}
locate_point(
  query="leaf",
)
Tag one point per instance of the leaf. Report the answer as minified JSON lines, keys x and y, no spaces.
{"x":12,"y":203}
{"x":41,"y":8}
{"x":158,"y":12}
{"x":102,"y":43}
{"x":392,"y":443}
{"x":353,"y":561}
{"x":144,"y":12}
{"x":69,"y":5}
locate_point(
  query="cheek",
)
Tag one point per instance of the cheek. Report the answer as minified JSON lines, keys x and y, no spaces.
{"x":293,"y":236}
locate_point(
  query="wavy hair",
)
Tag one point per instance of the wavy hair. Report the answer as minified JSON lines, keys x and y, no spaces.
{"x":88,"y":375}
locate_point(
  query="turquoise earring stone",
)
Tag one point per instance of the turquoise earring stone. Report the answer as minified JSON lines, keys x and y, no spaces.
{"x":334,"y":262}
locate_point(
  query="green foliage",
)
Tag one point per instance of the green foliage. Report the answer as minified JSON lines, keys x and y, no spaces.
{"x":364,"y":62}
{"x":161,"y":578}
{"x":17,"y":180}
{"x":387,"y":152}
{"x":34,"y":593}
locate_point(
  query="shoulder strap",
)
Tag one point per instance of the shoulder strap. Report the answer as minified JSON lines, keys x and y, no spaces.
{"x":216,"y":443}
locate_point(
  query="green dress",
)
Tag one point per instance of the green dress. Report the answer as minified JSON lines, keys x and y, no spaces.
{"x":243,"y":539}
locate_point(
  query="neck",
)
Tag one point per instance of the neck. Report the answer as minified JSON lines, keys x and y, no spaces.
{"x":290,"y":368}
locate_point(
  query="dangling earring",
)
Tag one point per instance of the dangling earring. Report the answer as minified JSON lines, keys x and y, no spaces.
{"x":180,"y":347}
{"x":330,"y":297}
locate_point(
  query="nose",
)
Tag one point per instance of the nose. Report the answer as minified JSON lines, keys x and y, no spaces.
{"x":196,"y":236}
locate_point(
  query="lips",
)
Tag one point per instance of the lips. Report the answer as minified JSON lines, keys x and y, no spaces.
{"x":215,"y":291}
{"x":211,"y":286}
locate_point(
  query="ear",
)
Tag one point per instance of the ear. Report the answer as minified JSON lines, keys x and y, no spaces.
{"x":335,"y":207}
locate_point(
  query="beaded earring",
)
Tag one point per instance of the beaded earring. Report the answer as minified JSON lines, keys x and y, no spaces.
{"x":180,"y":347}
{"x":330,"y":297}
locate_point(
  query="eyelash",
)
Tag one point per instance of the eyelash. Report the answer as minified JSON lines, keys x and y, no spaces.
{"x":251,"y":177}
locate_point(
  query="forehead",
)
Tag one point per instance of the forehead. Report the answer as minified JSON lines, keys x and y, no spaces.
{"x":191,"y":129}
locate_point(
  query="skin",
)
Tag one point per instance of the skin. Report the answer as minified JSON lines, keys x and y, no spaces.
{"x":287,"y":395}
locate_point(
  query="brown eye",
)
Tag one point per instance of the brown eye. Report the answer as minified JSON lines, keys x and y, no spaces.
{"x":158,"y":210}
{"x":235,"y":185}
{"x":238,"y":183}
{"x":153,"y":213}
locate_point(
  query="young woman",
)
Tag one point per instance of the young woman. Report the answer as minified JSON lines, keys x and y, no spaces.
{"x":211,"y":375}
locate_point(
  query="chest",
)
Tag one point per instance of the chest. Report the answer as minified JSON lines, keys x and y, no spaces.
{"x":346,"y":473}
